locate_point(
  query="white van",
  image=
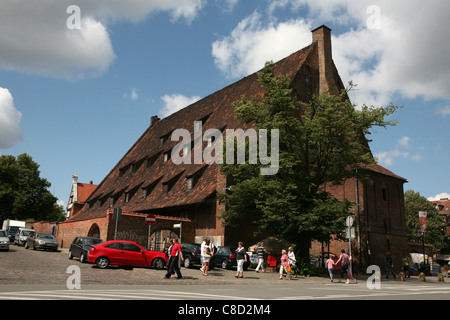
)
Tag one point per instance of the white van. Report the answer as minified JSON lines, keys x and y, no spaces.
{"x":22,"y":236}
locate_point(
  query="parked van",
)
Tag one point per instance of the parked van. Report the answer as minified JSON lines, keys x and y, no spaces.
{"x":22,"y":236}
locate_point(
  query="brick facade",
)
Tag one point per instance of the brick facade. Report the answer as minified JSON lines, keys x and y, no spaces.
{"x":146,"y":181}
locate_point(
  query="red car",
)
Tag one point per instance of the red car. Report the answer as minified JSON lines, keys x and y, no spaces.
{"x":125,"y":253}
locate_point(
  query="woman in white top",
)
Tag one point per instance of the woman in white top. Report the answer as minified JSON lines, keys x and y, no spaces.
{"x":291,"y":261}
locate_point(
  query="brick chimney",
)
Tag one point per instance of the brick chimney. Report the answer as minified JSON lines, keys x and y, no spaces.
{"x":322,"y":35}
{"x":154,"y":120}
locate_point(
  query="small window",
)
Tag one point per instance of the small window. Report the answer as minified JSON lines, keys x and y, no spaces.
{"x":166,"y":156}
{"x":127,"y":197}
{"x":384,"y":194}
{"x":189,"y":183}
{"x":165,"y":188}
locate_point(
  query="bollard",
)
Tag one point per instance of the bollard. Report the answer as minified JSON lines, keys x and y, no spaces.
{"x":422,"y":277}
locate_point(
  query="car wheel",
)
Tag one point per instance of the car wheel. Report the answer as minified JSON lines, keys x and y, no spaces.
{"x":187,"y":262}
{"x":70,"y":254}
{"x":83,"y":258}
{"x":102,"y":262}
{"x":158,"y":264}
{"x":224,"y":264}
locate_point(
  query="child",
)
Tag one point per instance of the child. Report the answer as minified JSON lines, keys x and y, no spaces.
{"x":330,"y":263}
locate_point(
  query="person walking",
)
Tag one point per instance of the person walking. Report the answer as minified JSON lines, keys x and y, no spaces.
{"x":330,"y":264}
{"x":169,"y":250}
{"x":175,"y":255}
{"x":406,"y":262}
{"x":261,"y":251}
{"x":291,"y":262}
{"x":207,"y":254}
{"x":202,"y":251}
{"x":241,"y":258}
{"x":284,"y":263}
{"x":344,"y":260}
{"x":389,"y":265}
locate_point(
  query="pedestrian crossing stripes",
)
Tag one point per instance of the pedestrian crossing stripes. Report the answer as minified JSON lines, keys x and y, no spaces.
{"x":113,"y":295}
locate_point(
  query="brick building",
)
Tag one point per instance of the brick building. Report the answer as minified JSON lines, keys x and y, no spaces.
{"x":79,"y":193}
{"x":146,"y":181}
{"x":443,"y":205}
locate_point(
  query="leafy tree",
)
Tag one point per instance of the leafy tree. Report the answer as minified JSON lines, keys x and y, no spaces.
{"x":435,"y":231}
{"x":321,"y":141}
{"x":23,"y":193}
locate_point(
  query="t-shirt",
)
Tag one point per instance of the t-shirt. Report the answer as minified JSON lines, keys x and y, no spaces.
{"x":330,"y":263}
{"x":176,"y":248}
{"x":344,"y":259}
{"x":202,"y":248}
{"x":284,"y":260}
{"x":261,"y":251}
{"x":240,"y":253}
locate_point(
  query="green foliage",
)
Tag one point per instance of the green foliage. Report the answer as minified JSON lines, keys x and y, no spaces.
{"x":435,"y":234}
{"x":23,"y":193}
{"x":321,"y":142}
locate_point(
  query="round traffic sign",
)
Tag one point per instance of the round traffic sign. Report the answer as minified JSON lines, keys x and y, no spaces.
{"x":150,"y":219}
{"x":349,"y":221}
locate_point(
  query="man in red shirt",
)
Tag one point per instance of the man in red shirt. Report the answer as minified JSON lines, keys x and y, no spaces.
{"x":175,"y":254}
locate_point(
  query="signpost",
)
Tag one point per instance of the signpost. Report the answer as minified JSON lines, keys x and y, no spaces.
{"x":423,"y":230}
{"x":150,"y":219}
{"x":117,"y":215}
{"x":349,"y":223}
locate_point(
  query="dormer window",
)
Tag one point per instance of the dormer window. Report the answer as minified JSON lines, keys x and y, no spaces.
{"x":189,"y":183}
{"x":144,"y":193}
{"x":166,"y":156}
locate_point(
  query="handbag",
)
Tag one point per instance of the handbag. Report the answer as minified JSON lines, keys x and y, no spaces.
{"x":288,"y":268}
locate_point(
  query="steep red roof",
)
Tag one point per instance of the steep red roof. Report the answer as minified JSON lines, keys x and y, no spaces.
{"x":443,"y":206}
{"x":143,"y":165}
{"x":84,"y":190}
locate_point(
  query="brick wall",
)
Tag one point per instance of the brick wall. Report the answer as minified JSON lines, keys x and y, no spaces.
{"x":130,"y":227}
{"x":381,"y":220}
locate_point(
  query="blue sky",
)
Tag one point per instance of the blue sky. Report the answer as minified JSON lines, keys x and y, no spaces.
{"x":76,"y":98}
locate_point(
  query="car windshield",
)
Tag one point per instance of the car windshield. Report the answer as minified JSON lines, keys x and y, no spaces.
{"x":2,"y":233}
{"x":88,"y":242}
{"x":44,"y":236}
{"x":27,"y":232}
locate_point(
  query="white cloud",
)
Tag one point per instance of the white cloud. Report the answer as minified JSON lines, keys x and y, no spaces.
{"x":404,"y":142}
{"x":252,"y":43}
{"x":35,"y":38}
{"x":443,"y":111}
{"x":10,"y":132}
{"x":439,"y":196}
{"x":133,"y":95}
{"x":405,"y":52}
{"x":387,"y":158}
{"x":175,"y":102}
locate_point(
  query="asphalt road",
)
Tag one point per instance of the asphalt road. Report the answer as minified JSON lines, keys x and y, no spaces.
{"x":40,"y":275}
